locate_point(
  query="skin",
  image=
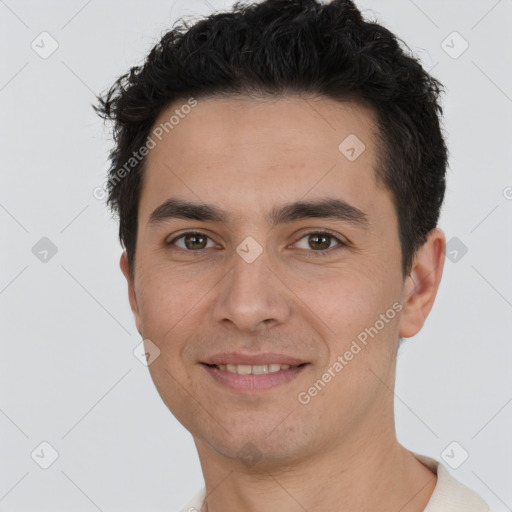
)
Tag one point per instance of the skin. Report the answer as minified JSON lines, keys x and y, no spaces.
{"x":246,"y":155}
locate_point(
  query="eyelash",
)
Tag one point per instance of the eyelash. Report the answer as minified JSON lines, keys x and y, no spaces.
{"x":322,"y":252}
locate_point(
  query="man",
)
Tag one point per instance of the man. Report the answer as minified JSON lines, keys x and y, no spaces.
{"x":278,"y":175}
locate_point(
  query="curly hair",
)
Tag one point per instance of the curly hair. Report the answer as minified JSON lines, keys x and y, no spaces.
{"x":283,"y":47}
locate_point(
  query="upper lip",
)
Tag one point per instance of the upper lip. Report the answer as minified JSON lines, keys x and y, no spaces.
{"x":252,"y":360}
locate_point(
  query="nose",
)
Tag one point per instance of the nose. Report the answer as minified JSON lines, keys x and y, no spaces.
{"x":251,"y":297}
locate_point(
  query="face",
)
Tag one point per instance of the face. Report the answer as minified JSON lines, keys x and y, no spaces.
{"x":292,"y":258}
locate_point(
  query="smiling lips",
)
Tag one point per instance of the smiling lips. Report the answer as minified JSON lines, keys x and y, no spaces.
{"x":255,"y":364}
{"x":243,"y":372}
{"x":259,"y":369}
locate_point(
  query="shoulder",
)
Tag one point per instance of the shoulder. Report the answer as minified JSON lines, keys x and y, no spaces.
{"x":450,"y":495}
{"x":195,"y":504}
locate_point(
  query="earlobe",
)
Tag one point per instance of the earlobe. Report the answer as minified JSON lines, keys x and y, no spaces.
{"x":422,"y":284}
{"x":125,"y":269}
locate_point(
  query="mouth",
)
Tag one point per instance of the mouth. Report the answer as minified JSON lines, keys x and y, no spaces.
{"x":259,"y":369}
{"x":244,"y":378}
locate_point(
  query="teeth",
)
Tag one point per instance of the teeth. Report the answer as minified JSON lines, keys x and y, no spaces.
{"x":244,"y":369}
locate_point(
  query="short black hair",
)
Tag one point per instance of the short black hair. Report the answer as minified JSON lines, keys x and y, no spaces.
{"x":286,"y":47}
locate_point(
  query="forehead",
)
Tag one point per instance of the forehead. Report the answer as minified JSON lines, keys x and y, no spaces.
{"x":253,"y":153}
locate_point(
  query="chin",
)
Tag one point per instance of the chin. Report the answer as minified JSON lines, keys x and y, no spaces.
{"x":253,"y":447}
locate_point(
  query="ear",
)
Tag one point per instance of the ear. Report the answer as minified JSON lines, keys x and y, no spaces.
{"x":421,"y":285}
{"x":125,"y":269}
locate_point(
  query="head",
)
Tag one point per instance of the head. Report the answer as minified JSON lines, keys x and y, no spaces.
{"x":278,"y":130}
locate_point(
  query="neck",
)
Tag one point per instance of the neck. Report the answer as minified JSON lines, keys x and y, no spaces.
{"x":366,"y":474}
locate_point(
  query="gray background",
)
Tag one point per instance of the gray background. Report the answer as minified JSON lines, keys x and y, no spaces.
{"x":68,"y":374}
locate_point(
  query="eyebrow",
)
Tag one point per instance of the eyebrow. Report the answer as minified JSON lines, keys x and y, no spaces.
{"x":336,"y":209}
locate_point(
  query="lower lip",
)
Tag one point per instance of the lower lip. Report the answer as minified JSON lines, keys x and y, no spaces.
{"x":251,"y":382}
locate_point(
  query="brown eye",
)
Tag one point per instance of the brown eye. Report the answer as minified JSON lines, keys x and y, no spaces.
{"x":319,"y":241}
{"x":195,"y":241}
{"x":192,"y":241}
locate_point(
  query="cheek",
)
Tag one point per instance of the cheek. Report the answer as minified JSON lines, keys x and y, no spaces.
{"x":168,"y":305}
{"x":166,"y":300}
{"x":344,"y":301}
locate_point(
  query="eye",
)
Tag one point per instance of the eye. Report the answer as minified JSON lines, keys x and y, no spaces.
{"x":192,"y":241}
{"x":318,"y":241}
